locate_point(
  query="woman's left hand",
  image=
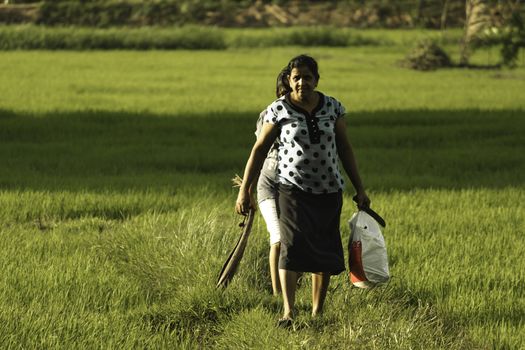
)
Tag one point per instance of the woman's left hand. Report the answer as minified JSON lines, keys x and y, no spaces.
{"x":362,"y":200}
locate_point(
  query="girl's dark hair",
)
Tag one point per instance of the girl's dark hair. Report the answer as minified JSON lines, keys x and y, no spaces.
{"x":304,"y":61}
{"x":282,"y":87}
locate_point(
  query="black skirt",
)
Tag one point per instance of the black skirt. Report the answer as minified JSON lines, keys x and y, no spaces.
{"x":310,"y":237}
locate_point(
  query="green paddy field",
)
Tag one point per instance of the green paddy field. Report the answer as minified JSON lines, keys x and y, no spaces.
{"x":117,"y":211}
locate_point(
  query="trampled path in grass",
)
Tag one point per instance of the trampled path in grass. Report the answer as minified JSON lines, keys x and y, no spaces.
{"x":116,"y":207}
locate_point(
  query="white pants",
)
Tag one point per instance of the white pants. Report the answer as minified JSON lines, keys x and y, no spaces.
{"x":269,"y":212}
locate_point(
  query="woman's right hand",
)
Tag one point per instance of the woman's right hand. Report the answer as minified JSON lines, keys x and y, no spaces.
{"x":243,"y":203}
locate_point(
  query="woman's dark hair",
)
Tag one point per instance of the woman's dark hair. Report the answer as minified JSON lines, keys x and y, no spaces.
{"x":304,"y":61}
{"x":282,"y":87}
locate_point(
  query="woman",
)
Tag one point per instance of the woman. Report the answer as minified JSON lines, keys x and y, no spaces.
{"x":267,"y":189}
{"x":312,"y":133}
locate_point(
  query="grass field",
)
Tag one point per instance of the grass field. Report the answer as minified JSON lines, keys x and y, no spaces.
{"x":116,"y":209}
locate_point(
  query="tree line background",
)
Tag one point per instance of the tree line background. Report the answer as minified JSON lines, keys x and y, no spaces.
{"x":249,"y":13}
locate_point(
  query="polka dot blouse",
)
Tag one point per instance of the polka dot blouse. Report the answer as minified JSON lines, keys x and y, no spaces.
{"x":307,"y":155}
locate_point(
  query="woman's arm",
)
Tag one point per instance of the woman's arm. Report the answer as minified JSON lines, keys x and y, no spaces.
{"x":269,"y":133}
{"x":346,"y":155}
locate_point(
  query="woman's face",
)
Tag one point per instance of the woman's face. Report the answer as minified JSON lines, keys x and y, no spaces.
{"x":302,"y":82}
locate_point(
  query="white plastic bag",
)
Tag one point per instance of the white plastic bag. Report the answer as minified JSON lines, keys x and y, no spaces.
{"x":368,"y":260}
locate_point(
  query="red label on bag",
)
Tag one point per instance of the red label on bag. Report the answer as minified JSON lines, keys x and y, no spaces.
{"x":357,"y":273}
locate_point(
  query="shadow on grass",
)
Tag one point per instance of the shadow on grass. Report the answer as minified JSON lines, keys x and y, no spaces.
{"x":396,"y":150}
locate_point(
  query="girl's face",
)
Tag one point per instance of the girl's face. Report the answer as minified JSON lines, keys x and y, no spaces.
{"x":303,"y":83}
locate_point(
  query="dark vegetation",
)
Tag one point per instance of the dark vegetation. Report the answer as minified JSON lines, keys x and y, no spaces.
{"x":427,"y":55}
{"x":510,"y":38}
{"x":243,"y":13}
